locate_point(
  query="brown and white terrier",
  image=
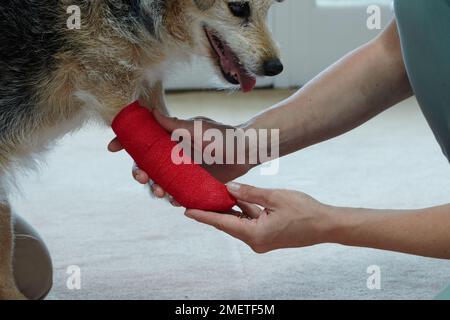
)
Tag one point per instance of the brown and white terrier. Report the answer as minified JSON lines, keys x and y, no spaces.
{"x":54,"y":78}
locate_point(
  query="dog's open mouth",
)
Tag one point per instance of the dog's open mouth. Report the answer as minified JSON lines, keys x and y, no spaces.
{"x":232,"y":69}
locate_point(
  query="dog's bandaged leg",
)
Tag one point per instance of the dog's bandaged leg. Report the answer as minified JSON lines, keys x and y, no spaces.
{"x":152,"y":148}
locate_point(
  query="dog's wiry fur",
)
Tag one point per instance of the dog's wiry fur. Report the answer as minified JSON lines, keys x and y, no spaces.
{"x":52,"y":78}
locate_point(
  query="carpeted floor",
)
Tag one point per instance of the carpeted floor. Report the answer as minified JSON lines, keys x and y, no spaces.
{"x":128,"y":246}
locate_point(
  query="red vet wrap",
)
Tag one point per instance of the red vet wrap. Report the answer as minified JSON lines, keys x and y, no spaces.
{"x":151,"y":148}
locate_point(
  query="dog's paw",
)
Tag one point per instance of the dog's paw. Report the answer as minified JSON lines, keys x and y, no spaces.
{"x":167,"y":197}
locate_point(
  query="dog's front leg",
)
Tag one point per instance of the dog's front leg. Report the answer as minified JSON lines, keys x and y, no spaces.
{"x":8,"y":288}
{"x":108,"y":103}
{"x":154,"y":97}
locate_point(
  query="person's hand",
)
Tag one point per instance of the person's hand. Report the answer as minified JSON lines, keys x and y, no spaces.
{"x":222,"y":172}
{"x":287,"y":219}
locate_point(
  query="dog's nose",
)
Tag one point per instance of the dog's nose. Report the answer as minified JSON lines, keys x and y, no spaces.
{"x":273,"y":67}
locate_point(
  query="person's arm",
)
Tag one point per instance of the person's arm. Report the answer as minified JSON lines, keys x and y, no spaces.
{"x":292,"y":220}
{"x":424,"y":232}
{"x":355,"y":89}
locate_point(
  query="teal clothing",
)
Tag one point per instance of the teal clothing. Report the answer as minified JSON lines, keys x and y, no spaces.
{"x":444,"y":295}
{"x":424,"y":27}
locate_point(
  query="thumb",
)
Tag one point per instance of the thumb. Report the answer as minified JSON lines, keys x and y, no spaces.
{"x":171,"y":124}
{"x":262,"y":197}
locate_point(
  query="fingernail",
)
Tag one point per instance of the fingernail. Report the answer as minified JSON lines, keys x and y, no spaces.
{"x":233,"y":186}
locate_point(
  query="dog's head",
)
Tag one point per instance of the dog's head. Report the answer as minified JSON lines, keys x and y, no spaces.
{"x":233,"y":33}
{"x":238,"y":40}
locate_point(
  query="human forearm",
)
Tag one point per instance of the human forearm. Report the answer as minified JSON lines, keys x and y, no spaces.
{"x":355,"y":89}
{"x":293,"y":220}
{"x":423,"y":232}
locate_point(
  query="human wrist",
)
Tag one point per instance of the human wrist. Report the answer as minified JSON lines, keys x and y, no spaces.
{"x":292,"y":135}
{"x":251,"y":149}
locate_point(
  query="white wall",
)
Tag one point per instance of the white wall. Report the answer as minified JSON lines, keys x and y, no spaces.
{"x":312,"y":37}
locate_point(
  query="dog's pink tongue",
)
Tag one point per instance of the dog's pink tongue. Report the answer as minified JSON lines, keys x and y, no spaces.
{"x":247,"y":82}
{"x":230,"y":64}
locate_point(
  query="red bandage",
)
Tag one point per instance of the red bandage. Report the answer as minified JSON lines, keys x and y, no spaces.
{"x":151,"y":147}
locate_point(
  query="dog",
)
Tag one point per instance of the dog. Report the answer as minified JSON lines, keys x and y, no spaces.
{"x":54,"y":78}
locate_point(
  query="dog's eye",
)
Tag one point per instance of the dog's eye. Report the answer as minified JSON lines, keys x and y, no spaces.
{"x":240,"y":9}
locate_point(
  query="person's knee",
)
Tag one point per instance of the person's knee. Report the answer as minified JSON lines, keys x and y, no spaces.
{"x":33,"y":268}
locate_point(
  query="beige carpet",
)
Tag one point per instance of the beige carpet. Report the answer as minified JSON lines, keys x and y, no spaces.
{"x":128,"y":246}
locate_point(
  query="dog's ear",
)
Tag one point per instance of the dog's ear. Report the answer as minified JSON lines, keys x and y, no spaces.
{"x":204,"y":4}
